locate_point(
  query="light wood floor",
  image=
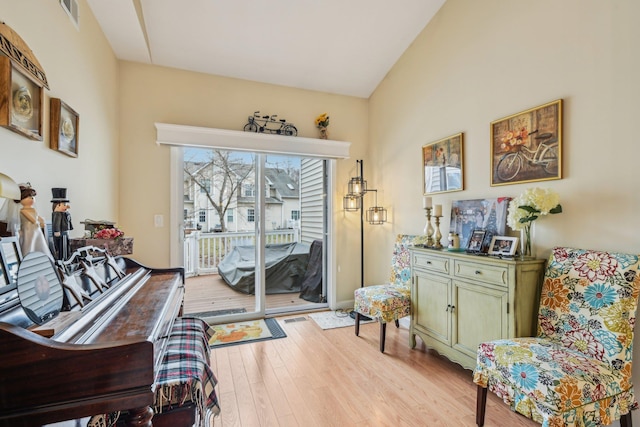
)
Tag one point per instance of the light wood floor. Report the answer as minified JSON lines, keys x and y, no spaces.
{"x":316,"y":377}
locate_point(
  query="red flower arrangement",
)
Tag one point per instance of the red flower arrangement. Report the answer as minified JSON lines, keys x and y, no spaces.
{"x":108,"y":233}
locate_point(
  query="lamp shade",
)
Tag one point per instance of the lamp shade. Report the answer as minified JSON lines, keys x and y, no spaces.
{"x":351,"y":202}
{"x":376,"y":215}
{"x":8,"y":188}
{"x":357,"y":186}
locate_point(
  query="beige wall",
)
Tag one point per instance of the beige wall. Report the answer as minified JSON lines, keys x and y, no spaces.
{"x":479,"y":61}
{"x":82,"y":71}
{"x":152,"y":94}
{"x":121,"y":174}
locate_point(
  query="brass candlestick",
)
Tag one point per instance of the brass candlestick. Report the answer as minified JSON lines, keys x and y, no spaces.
{"x":437,"y":244}
{"x":428,"y":228}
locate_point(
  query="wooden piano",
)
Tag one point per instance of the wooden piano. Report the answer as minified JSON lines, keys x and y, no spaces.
{"x":102,"y":356}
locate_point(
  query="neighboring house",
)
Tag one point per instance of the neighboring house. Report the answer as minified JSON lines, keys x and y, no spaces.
{"x":282,"y":199}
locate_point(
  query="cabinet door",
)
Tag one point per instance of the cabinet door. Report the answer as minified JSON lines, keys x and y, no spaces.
{"x":479,"y":315}
{"x":431,"y":301}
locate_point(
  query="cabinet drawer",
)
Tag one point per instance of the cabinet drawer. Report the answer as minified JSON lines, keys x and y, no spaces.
{"x":492,"y":274}
{"x":432,"y":263}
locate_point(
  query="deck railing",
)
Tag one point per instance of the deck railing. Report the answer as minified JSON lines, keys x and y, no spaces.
{"x":204,"y":251}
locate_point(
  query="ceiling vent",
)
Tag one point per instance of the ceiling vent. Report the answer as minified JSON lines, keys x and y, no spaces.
{"x":71,"y":7}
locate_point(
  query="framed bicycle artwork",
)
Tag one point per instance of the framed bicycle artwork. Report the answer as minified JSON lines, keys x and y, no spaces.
{"x":527,"y":146}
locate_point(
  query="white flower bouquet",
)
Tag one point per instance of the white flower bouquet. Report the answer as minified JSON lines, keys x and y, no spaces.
{"x":528,"y":207}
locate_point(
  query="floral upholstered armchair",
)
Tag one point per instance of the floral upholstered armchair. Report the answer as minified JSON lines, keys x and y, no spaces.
{"x":392,"y":301}
{"x":577,"y":371}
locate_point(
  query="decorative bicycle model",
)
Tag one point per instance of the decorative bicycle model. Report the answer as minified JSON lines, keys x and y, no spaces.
{"x":270,"y":124}
{"x":545,"y":155}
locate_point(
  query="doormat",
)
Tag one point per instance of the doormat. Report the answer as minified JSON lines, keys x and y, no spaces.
{"x":335,"y":319}
{"x":218,"y":312}
{"x":243,"y":332}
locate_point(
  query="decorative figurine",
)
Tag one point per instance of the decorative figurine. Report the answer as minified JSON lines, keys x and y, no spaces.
{"x":32,"y":225}
{"x":61,"y":223}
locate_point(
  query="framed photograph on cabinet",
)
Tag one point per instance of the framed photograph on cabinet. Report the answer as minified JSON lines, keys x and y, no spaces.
{"x":64,"y":127}
{"x":527,"y":146}
{"x":21,"y":101}
{"x":476,"y":239}
{"x":503,"y":245}
{"x":442,"y":165}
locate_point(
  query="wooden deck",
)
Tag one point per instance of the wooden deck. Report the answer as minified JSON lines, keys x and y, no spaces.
{"x":210,"y":293}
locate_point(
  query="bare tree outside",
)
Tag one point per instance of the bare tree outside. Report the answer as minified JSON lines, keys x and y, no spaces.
{"x":219,"y":176}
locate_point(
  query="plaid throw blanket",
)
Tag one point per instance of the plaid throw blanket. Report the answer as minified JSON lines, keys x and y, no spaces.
{"x":185,"y":375}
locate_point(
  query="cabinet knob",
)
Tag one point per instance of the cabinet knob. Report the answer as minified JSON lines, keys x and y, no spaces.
{"x":429,"y":262}
{"x":453,"y":308}
{"x":448,"y":307}
{"x":478,"y":272}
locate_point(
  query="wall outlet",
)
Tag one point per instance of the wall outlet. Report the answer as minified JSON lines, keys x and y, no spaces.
{"x":158,"y":220}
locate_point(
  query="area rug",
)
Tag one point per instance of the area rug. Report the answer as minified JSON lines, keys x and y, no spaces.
{"x":335,"y":319}
{"x":246,"y":332}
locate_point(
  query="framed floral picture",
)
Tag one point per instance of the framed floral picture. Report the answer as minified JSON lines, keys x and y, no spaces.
{"x":22,"y":98}
{"x":527,"y":146}
{"x":64,"y":127}
{"x":442,"y":165}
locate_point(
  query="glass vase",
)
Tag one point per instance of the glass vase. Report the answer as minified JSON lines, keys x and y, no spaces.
{"x":527,"y":249}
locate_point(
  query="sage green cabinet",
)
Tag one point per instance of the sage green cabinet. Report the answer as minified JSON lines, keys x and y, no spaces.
{"x":460,"y":300}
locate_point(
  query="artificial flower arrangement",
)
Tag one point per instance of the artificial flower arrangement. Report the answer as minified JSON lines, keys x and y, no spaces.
{"x":108,"y":233}
{"x":322,"y":121}
{"x":528,"y":207}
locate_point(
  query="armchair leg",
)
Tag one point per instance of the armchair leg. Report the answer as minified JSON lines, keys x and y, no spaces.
{"x":383,"y":333}
{"x":397,"y":323}
{"x":357,"y":324}
{"x":481,"y":404}
{"x":626,"y":421}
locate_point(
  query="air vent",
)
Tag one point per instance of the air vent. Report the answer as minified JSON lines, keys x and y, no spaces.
{"x":295,"y":319}
{"x":71,"y":7}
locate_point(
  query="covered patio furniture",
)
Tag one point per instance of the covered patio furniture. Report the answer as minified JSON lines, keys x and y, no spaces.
{"x":285,"y":267}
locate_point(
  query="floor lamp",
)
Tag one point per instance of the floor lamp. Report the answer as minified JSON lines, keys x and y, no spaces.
{"x":376,"y":215}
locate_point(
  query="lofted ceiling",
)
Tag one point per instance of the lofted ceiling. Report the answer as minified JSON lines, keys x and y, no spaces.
{"x":337,"y":46}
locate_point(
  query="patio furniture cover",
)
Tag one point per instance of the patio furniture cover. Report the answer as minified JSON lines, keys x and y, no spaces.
{"x":285,"y":266}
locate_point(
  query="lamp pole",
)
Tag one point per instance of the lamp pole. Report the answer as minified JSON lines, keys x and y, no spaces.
{"x":362,"y":228}
{"x":364,"y":191}
{"x":375,"y":215}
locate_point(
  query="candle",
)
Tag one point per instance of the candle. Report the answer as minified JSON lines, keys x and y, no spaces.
{"x":437,"y":210}
{"x":426,"y":202}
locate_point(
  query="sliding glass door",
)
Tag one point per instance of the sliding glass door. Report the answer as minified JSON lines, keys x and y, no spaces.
{"x":254,"y":233}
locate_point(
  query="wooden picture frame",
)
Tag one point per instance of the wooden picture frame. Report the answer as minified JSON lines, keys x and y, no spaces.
{"x":476,"y":240}
{"x":64,"y":128}
{"x":11,"y":258}
{"x":21,"y":101}
{"x":503,"y":246}
{"x":527,"y":146}
{"x":442,"y":165}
